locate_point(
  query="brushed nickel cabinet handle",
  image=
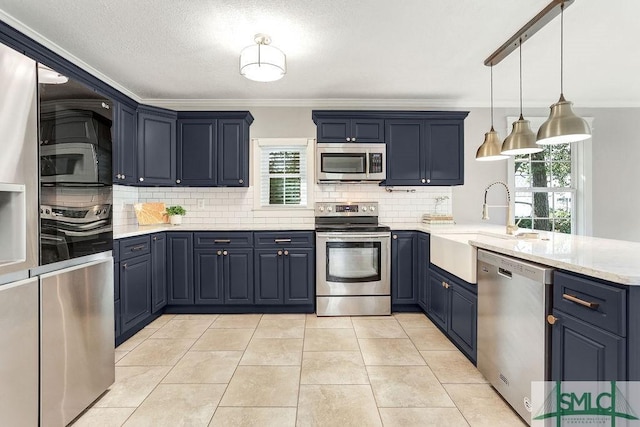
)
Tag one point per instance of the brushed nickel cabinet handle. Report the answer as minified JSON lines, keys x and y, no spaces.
{"x":282,"y":240}
{"x":225,"y":253}
{"x":222,"y":241}
{"x":279,"y":253}
{"x":286,"y":252}
{"x":219,"y":253}
{"x":124,"y":265}
{"x":575,"y":299}
{"x":137,"y":248}
{"x":241,"y":181}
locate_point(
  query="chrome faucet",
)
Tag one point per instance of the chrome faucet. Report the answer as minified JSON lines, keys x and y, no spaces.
{"x":511,"y":227}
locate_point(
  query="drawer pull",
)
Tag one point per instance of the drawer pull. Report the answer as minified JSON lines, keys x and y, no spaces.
{"x":137,"y":248}
{"x":222,"y":241}
{"x":282,"y":240}
{"x":573,"y":298}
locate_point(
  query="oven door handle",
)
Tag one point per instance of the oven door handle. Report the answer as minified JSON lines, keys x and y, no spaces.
{"x":367,"y":236}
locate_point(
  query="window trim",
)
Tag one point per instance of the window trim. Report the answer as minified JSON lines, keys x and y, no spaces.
{"x":581,"y":176}
{"x":257,"y":144}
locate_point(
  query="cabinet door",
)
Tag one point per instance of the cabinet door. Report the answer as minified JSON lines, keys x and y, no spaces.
{"x":437,"y":299}
{"x":156,"y":149}
{"x":299,"y":274}
{"x":233,"y":153}
{"x":582,"y":352}
{"x":208,"y":276}
{"x":269,"y":278}
{"x":197,"y":152}
{"x":404,"y":254}
{"x":124,"y":145}
{"x":180,"y":268}
{"x":367,"y":130}
{"x":158,"y":271}
{"x":238,"y":276}
{"x":463,"y":317}
{"x":135,"y":290}
{"x":405,"y":152}
{"x":423,"y":269}
{"x":445,"y":156}
{"x":333,"y":129}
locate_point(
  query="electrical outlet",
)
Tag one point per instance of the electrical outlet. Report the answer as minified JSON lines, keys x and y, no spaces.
{"x":200,"y":203}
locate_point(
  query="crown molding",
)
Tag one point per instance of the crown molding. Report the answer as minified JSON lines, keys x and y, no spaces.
{"x":27,"y":31}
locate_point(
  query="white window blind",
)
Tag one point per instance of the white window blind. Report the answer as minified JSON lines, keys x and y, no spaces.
{"x":283,"y":176}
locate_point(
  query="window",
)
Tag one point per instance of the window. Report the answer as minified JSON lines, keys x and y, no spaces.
{"x":283,"y":172}
{"x":548,"y":195}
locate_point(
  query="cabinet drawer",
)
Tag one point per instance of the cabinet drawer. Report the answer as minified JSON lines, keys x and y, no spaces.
{"x":289,"y":239}
{"x":134,"y":246}
{"x":226,"y":240}
{"x":594,"y":302}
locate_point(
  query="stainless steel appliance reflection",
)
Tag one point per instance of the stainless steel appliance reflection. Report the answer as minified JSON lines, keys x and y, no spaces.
{"x":352,"y":260}
{"x":350,"y":162}
{"x":76,"y":340}
{"x":514,"y":299}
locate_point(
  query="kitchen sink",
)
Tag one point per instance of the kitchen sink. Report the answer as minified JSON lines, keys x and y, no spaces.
{"x":453,"y":253}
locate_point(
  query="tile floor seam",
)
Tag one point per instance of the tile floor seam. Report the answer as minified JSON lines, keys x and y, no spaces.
{"x":234,"y":371}
{"x":368,"y":376}
{"x":304,"y":335}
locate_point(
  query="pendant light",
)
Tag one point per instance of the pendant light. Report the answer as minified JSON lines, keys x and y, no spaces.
{"x":563,"y":125}
{"x":521,"y":140}
{"x":490,"y":148}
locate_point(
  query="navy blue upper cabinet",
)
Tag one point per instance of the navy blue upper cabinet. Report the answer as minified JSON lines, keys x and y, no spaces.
{"x":156,"y":146}
{"x":124,"y":148}
{"x":213,"y":148}
{"x":347,"y":126}
{"x":425,"y":152}
{"x":197,"y":152}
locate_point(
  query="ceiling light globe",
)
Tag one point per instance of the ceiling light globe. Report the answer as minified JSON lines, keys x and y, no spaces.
{"x":262,"y":63}
{"x":490,"y":148}
{"x":521,"y":140}
{"x":563,"y":126}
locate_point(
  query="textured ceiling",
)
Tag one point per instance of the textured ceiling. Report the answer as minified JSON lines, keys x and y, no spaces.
{"x":415,"y":50}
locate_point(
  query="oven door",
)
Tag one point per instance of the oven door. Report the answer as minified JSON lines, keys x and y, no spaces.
{"x":353,"y":263}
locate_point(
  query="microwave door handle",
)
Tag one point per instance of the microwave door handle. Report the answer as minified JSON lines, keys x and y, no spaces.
{"x":367,"y":160}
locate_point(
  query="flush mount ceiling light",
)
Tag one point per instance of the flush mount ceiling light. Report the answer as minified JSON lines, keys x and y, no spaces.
{"x":48,"y":76}
{"x":262,"y":62}
{"x":563,"y":125}
{"x":490,"y":148}
{"x":521,"y":140}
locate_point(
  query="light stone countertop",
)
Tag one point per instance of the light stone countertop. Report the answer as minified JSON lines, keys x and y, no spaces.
{"x":613,"y":260}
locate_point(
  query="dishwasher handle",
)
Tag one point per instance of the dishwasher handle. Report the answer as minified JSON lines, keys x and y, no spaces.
{"x":505,"y":273}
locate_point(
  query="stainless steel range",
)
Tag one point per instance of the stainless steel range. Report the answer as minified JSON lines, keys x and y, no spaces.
{"x":353,"y":260}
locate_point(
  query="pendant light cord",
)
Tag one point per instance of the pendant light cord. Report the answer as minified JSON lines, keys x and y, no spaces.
{"x":562,"y":50}
{"x":491,"y":86}
{"x":520,"y":50}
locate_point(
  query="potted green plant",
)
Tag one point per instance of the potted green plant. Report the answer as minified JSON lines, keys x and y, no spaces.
{"x":175,"y":214}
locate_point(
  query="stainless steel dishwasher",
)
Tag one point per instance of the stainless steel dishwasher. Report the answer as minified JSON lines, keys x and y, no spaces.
{"x":514,"y":298}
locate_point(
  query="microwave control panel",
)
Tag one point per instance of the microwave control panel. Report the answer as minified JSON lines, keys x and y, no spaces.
{"x":375,"y":163}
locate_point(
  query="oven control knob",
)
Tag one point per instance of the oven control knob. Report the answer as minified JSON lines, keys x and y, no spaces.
{"x":329,"y":209}
{"x":321,"y":208}
{"x":372,"y":208}
{"x":364,"y":209}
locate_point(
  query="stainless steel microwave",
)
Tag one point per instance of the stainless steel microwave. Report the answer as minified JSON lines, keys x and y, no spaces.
{"x":350,"y":162}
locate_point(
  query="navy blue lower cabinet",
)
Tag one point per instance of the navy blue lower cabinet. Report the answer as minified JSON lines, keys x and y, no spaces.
{"x":180,"y":268}
{"x":438,"y":299}
{"x":299,"y":276}
{"x":135,"y":290}
{"x":463,"y":318}
{"x":158,"y":272}
{"x":423,"y":268}
{"x":269,"y":279}
{"x":404,"y":271}
{"x":208,"y":276}
{"x":583,"y":352}
{"x":238,"y":276}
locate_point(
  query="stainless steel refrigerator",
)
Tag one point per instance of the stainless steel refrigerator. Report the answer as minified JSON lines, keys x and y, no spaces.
{"x":56,"y":269}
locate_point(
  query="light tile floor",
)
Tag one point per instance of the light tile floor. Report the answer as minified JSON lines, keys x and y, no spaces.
{"x":295,"y":370}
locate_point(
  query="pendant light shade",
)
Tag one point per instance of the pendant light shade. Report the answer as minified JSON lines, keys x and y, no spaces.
{"x":262,"y":62}
{"x":490,"y":148}
{"x":563,"y":125}
{"x":521,"y":140}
